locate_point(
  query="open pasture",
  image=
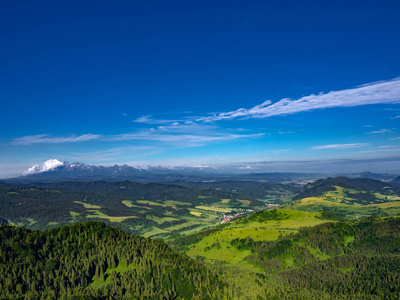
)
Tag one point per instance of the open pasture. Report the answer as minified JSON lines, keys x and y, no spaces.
{"x":88,"y":206}
{"x":261,"y":226}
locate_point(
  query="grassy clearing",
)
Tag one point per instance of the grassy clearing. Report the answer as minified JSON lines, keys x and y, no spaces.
{"x":245,"y":202}
{"x":100,"y":215}
{"x":74,"y":216}
{"x":317,"y":253}
{"x":31,"y":221}
{"x":196,"y":213}
{"x":175,"y":203}
{"x":385,"y":205}
{"x":166,"y":203}
{"x":223,"y":252}
{"x":19,"y":224}
{"x":348,"y":239}
{"x":345,"y":270}
{"x":100,"y":282}
{"x":321,"y":200}
{"x":154,"y":231}
{"x":216,"y":209}
{"x":88,"y":206}
{"x":387,"y":197}
{"x":128,"y":203}
{"x":160,"y":220}
{"x":148,"y":202}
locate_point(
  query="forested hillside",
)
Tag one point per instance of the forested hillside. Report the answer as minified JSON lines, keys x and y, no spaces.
{"x":99,"y":261}
{"x":274,"y":192}
{"x":334,"y":260}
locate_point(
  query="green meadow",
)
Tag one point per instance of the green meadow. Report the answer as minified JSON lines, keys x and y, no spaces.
{"x":265,"y":225}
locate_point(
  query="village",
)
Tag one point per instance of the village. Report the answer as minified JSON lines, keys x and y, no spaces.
{"x":242,"y":211}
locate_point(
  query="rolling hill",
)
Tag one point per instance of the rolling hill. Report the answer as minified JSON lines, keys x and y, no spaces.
{"x":94,"y":261}
{"x":331,"y":260}
{"x":350,"y":198}
{"x":326,"y":260}
{"x":156,"y":210}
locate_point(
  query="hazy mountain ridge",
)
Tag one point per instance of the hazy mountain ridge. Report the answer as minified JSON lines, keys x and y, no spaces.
{"x":321,"y":186}
{"x":55,"y":171}
{"x":396,"y":181}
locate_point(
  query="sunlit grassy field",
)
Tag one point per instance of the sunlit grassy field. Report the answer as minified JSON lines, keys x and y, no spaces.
{"x":88,"y":206}
{"x":217,"y":245}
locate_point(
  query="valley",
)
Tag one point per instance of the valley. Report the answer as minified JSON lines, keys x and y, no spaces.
{"x":254,"y":240}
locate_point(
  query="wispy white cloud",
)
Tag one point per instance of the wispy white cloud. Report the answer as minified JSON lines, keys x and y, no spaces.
{"x":183,"y":134}
{"x":188,"y":127}
{"x":149,"y":120}
{"x":397,"y":117}
{"x":339,"y":146}
{"x":183,"y":140}
{"x":380,"y":131}
{"x":385,"y":147}
{"x":374,"y":93}
{"x":47,"y":139}
{"x":286,"y":132}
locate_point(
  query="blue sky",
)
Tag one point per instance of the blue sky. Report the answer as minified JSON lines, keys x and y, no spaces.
{"x":199,"y":82}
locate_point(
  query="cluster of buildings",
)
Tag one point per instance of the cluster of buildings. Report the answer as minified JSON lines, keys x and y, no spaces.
{"x":228,"y":218}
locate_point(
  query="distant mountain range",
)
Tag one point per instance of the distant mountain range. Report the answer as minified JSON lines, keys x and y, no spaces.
{"x":77,"y":169}
{"x":54,"y":170}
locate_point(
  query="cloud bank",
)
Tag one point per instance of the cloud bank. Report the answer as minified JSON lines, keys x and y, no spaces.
{"x":46,"y":166}
{"x":380,"y":131}
{"x":382,"y":92}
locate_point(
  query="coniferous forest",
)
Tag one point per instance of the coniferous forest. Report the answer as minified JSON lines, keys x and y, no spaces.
{"x":336,"y":260}
{"x":69,"y":261}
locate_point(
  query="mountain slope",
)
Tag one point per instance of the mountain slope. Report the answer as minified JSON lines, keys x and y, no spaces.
{"x":332,"y":260}
{"x":396,"y":181}
{"x":321,"y":186}
{"x":350,"y":198}
{"x":214,"y":244}
{"x":98,"y":261}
